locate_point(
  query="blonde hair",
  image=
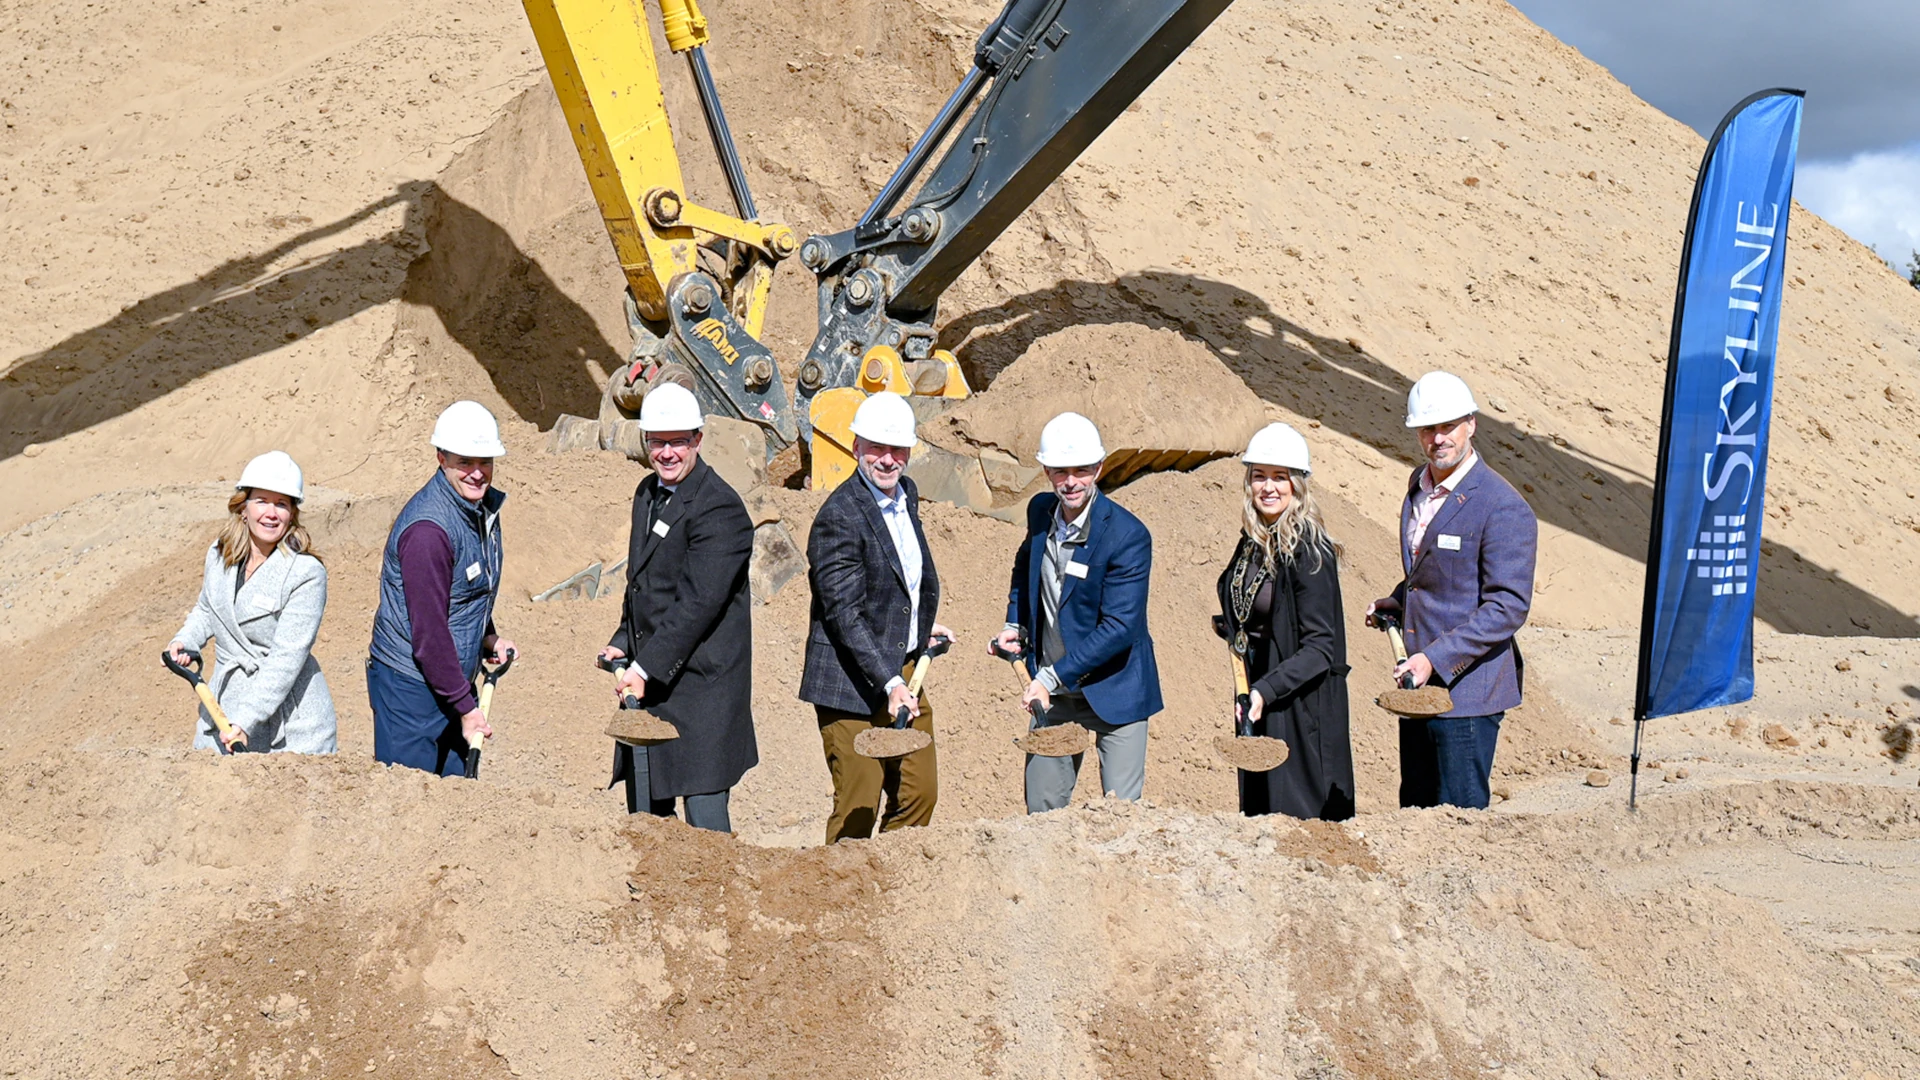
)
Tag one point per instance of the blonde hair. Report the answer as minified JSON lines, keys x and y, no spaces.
{"x":1299,"y":524}
{"x":235,"y":542}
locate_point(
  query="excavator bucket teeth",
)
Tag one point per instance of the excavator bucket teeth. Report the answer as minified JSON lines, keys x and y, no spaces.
{"x":1125,"y":465}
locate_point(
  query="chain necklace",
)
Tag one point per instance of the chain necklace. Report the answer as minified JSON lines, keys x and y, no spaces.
{"x":1249,"y":574}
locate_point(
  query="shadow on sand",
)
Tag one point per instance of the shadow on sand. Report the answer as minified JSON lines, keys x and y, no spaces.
{"x":533,"y":340}
{"x":1352,"y":392}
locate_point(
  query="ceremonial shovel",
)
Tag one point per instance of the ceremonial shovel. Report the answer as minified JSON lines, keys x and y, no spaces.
{"x":1253,"y":753}
{"x":641,"y":729}
{"x":900,"y":740}
{"x":192,"y":675}
{"x":1406,"y":699}
{"x":1048,"y":740}
{"x":488,"y":676}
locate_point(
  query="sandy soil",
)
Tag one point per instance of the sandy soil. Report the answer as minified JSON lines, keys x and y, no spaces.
{"x":234,"y":226}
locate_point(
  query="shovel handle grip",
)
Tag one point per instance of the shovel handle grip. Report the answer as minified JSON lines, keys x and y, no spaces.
{"x":628,"y":701}
{"x":492,"y":675}
{"x":901,"y":716}
{"x":189,"y":671}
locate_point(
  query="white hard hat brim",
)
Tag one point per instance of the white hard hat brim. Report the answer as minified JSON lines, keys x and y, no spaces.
{"x":492,"y":449}
{"x":891,"y":441}
{"x":1249,"y":459}
{"x":266,"y":487}
{"x":1431,"y":421}
{"x":1072,"y":461}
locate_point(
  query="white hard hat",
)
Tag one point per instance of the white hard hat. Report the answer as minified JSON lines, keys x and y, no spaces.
{"x":1278,"y":444}
{"x":468,"y":429}
{"x":273,"y":471}
{"x":1437,"y":398}
{"x":670,"y":407}
{"x":887,"y":419}
{"x":1070,"y":440}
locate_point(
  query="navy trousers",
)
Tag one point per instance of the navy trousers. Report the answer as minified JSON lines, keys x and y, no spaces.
{"x":411,"y":727}
{"x":1448,"y":760}
{"x":703,"y":811}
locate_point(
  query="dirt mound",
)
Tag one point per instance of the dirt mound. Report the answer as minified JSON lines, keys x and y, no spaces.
{"x":401,"y":925}
{"x":1145,"y":389}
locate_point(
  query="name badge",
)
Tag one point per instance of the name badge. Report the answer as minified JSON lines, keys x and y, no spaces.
{"x":473,"y":571}
{"x":1076,"y":569}
{"x":661,"y":528}
{"x":1448,"y":543}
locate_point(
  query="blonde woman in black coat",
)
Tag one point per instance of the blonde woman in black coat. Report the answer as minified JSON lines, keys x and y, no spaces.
{"x":1280,"y":607}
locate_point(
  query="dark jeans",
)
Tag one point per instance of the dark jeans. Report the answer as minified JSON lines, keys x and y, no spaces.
{"x":703,"y":811}
{"x":410,"y":726}
{"x":1448,"y":760}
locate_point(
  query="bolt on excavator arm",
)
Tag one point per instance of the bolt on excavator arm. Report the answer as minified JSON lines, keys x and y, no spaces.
{"x":694,"y":323}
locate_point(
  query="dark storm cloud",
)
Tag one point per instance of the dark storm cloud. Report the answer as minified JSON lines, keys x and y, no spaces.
{"x":1858,"y":60}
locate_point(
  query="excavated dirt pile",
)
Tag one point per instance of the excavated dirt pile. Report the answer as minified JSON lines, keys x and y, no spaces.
{"x":235,"y":226}
{"x":1146,"y":389}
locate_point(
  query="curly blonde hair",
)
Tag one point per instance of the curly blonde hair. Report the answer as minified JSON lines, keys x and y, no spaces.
{"x":235,"y":542}
{"x":1300,"y":524}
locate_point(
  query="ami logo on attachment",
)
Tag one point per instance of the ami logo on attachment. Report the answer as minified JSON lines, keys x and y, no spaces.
{"x":715,"y":333}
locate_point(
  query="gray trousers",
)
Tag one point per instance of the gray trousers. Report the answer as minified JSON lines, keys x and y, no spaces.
{"x":1122,"y":750}
{"x":703,"y":811}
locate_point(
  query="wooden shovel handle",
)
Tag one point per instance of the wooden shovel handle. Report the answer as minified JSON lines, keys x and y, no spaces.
{"x":919,"y":675}
{"x":1399,"y":643}
{"x":231,"y":736}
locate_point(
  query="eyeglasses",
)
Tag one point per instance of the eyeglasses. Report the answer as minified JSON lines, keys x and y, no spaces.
{"x":656,"y":445}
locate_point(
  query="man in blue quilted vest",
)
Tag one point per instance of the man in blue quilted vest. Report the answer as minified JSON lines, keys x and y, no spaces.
{"x":439,"y":576}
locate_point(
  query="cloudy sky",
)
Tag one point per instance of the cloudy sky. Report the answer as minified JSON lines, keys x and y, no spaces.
{"x":1858,"y":61}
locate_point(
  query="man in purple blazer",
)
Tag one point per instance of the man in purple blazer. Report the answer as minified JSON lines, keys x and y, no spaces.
{"x":1467,"y":545}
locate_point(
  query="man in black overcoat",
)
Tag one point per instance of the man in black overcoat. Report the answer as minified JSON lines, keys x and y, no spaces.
{"x":686,"y":628}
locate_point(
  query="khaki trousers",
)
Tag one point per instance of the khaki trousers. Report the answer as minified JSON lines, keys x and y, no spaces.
{"x":911,"y":784}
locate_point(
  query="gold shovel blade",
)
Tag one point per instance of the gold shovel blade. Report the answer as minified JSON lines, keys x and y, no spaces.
{"x":890,"y":742}
{"x":1419,"y":702}
{"x":1253,"y":753}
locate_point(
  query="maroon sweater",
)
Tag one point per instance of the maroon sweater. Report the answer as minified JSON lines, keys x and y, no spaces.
{"x":426,"y":578}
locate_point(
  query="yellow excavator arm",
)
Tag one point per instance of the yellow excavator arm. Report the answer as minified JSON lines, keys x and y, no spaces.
{"x":695,"y":325}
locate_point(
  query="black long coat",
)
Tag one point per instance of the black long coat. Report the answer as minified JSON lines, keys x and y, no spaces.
{"x":857,"y":629}
{"x":1298,"y":662}
{"x":688,"y":621}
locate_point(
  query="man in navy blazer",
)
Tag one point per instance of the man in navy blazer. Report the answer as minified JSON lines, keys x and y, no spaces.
{"x":1467,"y":545}
{"x":1079,"y":596}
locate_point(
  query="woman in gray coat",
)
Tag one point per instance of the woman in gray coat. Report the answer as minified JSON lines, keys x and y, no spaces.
{"x":261,"y":600}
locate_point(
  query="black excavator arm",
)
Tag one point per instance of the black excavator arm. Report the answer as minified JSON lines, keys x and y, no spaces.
{"x":1048,"y":77}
